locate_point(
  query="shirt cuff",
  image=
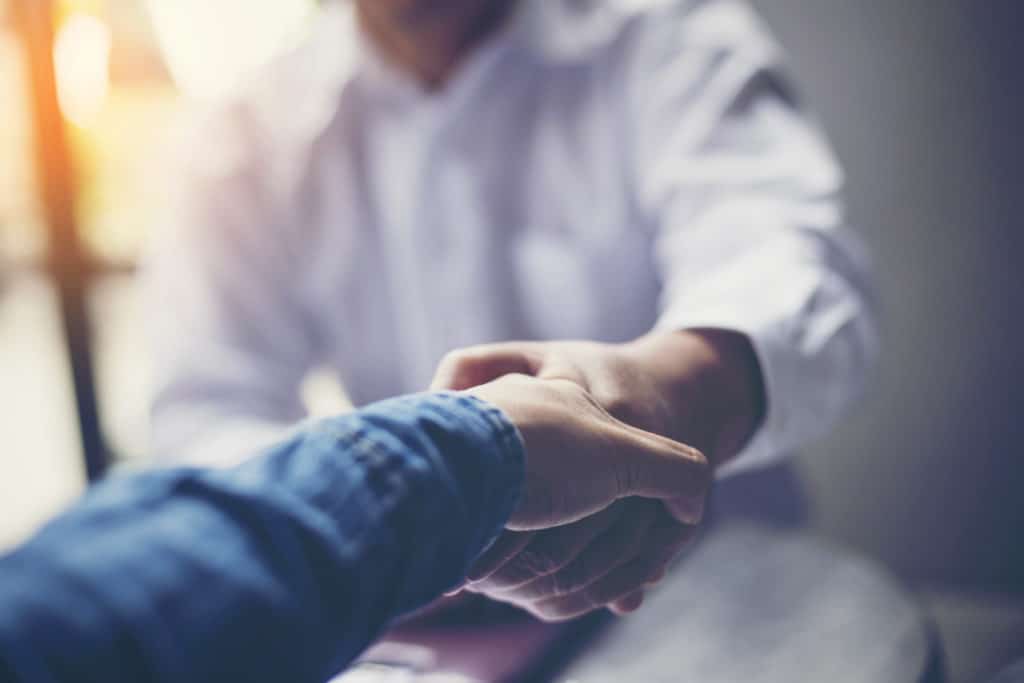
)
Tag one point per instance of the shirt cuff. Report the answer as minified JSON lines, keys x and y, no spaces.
{"x":762,"y":449}
{"x":497,"y":495}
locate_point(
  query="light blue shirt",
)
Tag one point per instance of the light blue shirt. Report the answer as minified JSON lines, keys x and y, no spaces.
{"x":596,"y":170}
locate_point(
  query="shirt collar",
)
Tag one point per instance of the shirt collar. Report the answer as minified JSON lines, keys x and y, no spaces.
{"x":567,"y":31}
{"x":552,"y":31}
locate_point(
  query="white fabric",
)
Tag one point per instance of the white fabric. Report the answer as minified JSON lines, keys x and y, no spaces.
{"x":597,"y":169}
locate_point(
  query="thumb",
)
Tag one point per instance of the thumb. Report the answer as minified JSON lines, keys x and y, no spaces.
{"x":468,"y":368}
{"x":657,"y":467}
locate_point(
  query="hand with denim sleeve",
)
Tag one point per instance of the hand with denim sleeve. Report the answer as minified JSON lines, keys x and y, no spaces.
{"x":698,"y":387}
{"x":580,"y":460}
{"x":316,"y":545}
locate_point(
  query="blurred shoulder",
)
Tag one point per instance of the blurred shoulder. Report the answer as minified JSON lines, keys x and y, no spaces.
{"x":274,"y":117}
{"x":584,"y":29}
{"x":702,"y":22}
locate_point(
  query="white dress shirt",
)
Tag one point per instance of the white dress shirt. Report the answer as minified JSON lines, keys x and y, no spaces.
{"x":596,"y":170}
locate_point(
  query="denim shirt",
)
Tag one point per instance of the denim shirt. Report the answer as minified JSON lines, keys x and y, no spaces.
{"x":282,"y":569}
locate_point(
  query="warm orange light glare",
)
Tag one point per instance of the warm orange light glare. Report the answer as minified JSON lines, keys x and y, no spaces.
{"x":81,"y":56}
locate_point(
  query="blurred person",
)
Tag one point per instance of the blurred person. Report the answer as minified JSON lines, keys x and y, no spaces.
{"x":286,"y":567}
{"x":425,"y":177}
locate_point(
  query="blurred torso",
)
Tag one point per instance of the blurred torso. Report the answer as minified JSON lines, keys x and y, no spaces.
{"x":498,"y":208}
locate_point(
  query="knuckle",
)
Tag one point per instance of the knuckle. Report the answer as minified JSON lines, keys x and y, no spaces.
{"x":454,"y":360}
{"x":452,"y":369}
{"x":617,"y":404}
{"x":570,"y":390}
{"x":535,"y":563}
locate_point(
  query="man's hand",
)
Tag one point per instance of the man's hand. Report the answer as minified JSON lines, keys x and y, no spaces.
{"x":580,"y":460}
{"x":703,"y":388}
{"x":606,"y":560}
{"x":603,"y":490}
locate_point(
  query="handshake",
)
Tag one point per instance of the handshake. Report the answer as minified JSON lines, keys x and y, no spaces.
{"x":611,"y":494}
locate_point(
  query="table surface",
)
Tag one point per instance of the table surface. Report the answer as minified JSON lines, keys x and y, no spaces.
{"x":752,"y":603}
{"x":748,"y":603}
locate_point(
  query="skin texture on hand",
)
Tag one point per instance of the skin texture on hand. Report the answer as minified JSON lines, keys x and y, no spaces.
{"x":580,"y":459}
{"x":703,"y":388}
{"x":700,"y":387}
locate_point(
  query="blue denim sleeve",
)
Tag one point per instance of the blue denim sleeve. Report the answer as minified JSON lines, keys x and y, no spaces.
{"x":283,"y":569}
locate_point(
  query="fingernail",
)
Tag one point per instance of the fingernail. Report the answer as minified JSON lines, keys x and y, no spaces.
{"x":688,"y":510}
{"x":629,"y":605}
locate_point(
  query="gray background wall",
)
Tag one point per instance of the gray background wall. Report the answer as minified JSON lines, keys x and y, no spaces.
{"x":922,"y":99}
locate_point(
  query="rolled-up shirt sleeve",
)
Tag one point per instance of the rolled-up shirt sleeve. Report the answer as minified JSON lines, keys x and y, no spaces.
{"x":745,"y":196}
{"x":282,"y":569}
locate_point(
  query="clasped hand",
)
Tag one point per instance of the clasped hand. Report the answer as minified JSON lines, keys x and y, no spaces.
{"x":607,"y":503}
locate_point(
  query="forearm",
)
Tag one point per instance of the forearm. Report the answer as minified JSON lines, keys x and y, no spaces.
{"x":747,"y":199}
{"x":710,"y":385}
{"x":282,"y":569}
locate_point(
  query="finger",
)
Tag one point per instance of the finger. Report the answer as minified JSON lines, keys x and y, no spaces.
{"x":628,"y":604}
{"x":644,"y":570}
{"x":468,"y":368}
{"x":687,"y":510}
{"x":624,"y":540}
{"x":552,"y":550}
{"x":653,"y":466}
{"x":508,"y":545}
{"x":617,"y":585}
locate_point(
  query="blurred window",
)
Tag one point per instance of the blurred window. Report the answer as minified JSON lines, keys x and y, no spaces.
{"x":21,"y":234}
{"x":40,"y":466}
{"x":132,"y":70}
{"x":115,"y":60}
{"x":118,"y":100}
{"x":125,"y":72}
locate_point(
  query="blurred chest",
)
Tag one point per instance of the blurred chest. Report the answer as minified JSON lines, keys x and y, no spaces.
{"x":506,"y":215}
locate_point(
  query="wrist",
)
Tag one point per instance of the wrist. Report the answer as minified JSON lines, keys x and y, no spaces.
{"x":711,"y":385}
{"x":504,"y":446}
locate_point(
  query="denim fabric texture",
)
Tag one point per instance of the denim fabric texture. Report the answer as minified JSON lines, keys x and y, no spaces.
{"x":281,"y":569}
